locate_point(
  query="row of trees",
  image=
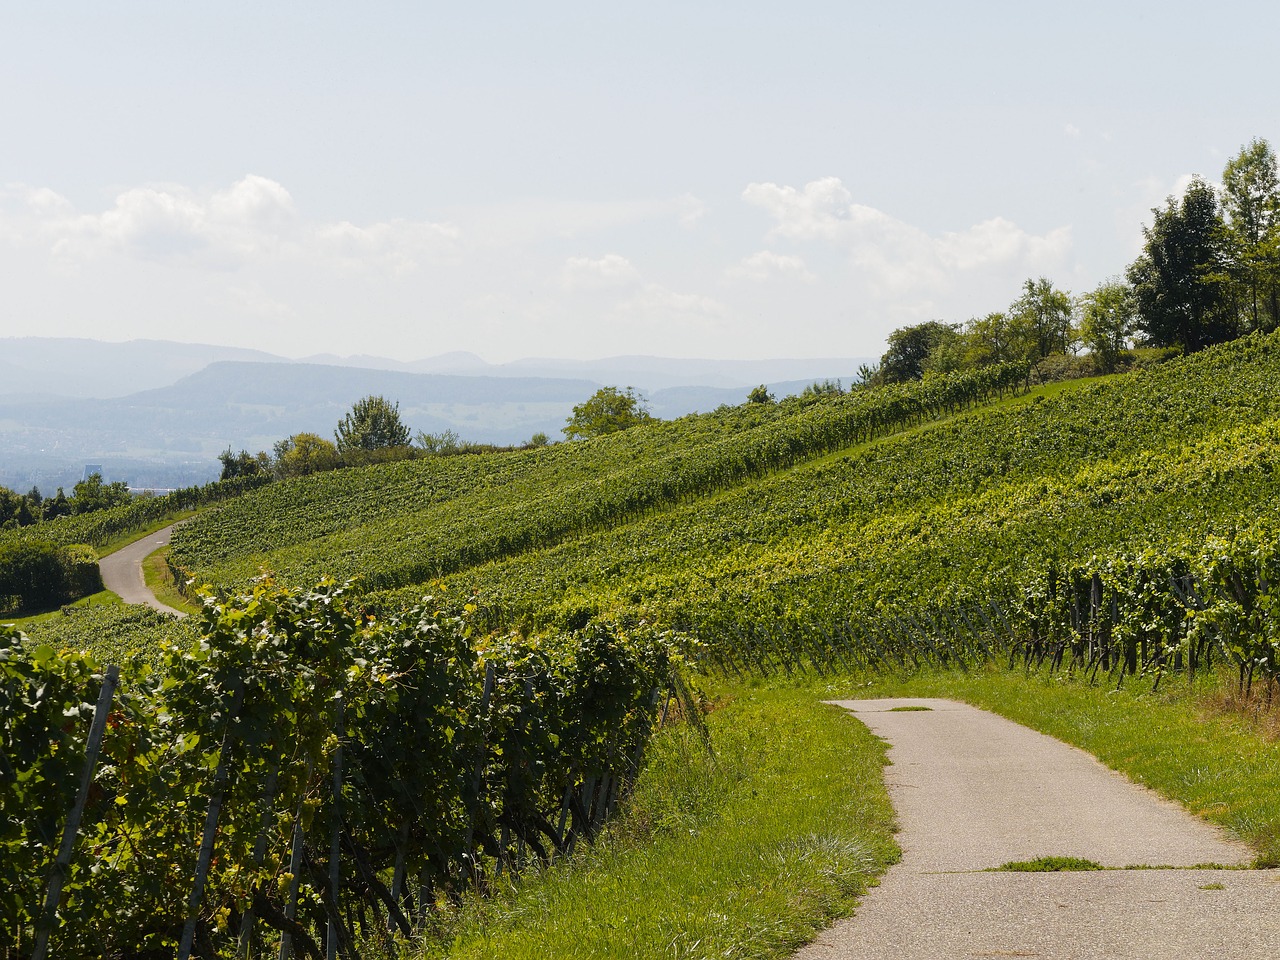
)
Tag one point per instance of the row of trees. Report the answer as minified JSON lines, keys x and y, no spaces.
{"x":1209,"y":271}
{"x":89,"y":495}
{"x":372,"y":431}
{"x":1043,"y":322}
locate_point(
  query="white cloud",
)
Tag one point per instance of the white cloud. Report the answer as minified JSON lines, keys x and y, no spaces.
{"x":823,"y":209}
{"x":253,"y":219}
{"x":896,"y":256}
{"x":1071,"y":130}
{"x":611,"y":270}
{"x":767,"y":265}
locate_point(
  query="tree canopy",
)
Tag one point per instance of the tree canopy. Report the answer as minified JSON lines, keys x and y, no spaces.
{"x":373,"y":423}
{"x":1108,"y":317}
{"x":909,"y":349}
{"x":1176,"y":280}
{"x":608,"y":410}
{"x":304,"y":453}
{"x":1251,"y":214}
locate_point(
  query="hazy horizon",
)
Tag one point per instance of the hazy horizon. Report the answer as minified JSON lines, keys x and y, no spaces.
{"x":579,"y":181}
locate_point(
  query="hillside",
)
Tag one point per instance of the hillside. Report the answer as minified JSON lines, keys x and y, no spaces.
{"x":706,"y":525}
{"x":460,"y":731}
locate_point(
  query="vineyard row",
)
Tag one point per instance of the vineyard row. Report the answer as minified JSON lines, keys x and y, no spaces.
{"x":306,"y":779}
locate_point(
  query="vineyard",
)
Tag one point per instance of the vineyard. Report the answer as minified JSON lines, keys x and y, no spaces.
{"x":306,"y":778}
{"x":101,"y":526}
{"x":321,"y":765}
{"x":411,"y":522}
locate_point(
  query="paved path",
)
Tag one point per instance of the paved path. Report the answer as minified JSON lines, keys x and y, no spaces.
{"x":122,"y":570}
{"x":973,"y":790}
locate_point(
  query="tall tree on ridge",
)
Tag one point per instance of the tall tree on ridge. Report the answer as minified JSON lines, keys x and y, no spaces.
{"x":1251,"y":211}
{"x":1045,"y":314}
{"x":1176,"y":281}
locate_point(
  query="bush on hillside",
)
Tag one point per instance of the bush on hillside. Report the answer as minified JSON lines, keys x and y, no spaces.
{"x":35,"y":575}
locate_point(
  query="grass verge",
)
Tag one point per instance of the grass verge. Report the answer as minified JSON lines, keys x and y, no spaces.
{"x":159,"y":580}
{"x":1222,"y":764}
{"x":747,"y":853}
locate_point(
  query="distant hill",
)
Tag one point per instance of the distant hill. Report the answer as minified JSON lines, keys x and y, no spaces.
{"x":67,"y":367}
{"x":171,"y":435}
{"x":646,"y":373}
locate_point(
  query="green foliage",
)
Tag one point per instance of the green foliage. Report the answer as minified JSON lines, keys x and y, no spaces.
{"x":823,"y":388}
{"x":115,"y":633}
{"x":1251,"y":211}
{"x":1176,"y":281}
{"x":101,"y":527}
{"x":608,"y":410}
{"x":453,"y":756}
{"x":1108,"y":319}
{"x":909,"y":349}
{"x":439,"y":444}
{"x":1043,"y":316}
{"x":760,"y":394}
{"x":890,"y":553}
{"x":92,"y":494}
{"x":746,"y":850}
{"x":303,"y":454}
{"x":243,"y":464}
{"x":36,"y":576}
{"x":372,"y":423}
{"x":411,"y":522}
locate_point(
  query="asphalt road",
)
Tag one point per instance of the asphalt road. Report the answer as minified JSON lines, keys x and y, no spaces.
{"x":122,"y":571}
{"x":973,"y":791}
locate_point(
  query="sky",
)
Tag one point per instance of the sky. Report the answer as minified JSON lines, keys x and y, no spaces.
{"x":581,"y":180}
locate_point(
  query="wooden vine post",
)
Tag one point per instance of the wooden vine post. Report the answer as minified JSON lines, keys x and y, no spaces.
{"x":335,"y":841}
{"x":72,"y":829}
{"x":220,"y":780}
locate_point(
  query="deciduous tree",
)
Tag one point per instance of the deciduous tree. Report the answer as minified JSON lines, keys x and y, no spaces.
{"x":304,"y":453}
{"x":1251,"y":212}
{"x":1108,"y":316}
{"x":608,"y":410}
{"x":1041,"y":320}
{"x":372,"y":424}
{"x":909,"y":348}
{"x":1177,"y":286}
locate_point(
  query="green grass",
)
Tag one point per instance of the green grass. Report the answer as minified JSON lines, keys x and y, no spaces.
{"x":159,"y":579}
{"x":1221,"y":764}
{"x":1048,"y":865}
{"x":747,"y":853}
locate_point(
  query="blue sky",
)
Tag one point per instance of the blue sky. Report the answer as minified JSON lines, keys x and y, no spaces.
{"x":581,"y":180}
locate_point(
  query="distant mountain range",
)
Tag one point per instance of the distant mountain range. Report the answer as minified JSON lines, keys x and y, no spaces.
{"x":157,"y":414}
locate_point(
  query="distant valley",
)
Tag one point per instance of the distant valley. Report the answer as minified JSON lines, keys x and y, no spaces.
{"x":157,"y":414}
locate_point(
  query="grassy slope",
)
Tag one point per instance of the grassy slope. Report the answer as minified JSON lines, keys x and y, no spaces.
{"x":746,"y":854}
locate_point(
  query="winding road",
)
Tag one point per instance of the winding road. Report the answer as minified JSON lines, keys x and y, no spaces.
{"x":122,"y":571}
{"x":974,"y":791}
